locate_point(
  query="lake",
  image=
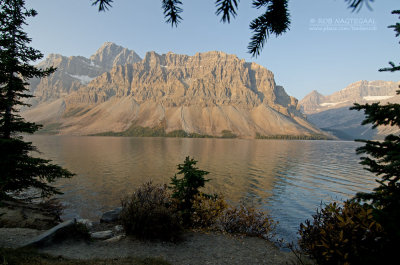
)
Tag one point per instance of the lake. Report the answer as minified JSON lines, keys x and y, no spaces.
{"x":288,"y":179}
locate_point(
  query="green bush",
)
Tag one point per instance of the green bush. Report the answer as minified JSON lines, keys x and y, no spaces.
{"x":149,"y":213}
{"x":248,"y":221}
{"x":343,"y":235}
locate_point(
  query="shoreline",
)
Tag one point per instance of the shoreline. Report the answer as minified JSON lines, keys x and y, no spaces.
{"x":197,"y":246}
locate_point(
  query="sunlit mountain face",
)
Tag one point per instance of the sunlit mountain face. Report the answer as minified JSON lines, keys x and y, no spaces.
{"x":213,"y":94}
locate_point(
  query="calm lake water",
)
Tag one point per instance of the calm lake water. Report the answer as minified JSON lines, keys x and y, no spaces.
{"x":288,"y":179}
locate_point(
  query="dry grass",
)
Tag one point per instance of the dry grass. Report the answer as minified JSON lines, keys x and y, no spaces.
{"x":31,"y":257}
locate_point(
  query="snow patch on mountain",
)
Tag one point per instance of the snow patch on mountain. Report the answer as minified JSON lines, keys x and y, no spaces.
{"x":84,"y":79}
{"x":330,"y":104}
{"x":377,"y":97}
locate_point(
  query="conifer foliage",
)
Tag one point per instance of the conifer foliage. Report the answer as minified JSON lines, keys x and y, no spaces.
{"x":384,"y":160}
{"x":186,"y":188}
{"x":366,"y":229}
{"x":275,"y":20}
{"x":18,"y":169}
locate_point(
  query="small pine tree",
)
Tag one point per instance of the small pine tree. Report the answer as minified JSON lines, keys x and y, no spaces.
{"x":186,"y":188}
{"x":18,"y":170}
{"x":384,"y":160}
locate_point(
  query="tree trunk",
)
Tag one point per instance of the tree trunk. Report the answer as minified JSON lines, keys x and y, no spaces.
{"x":7,"y":114}
{"x":10,"y":93}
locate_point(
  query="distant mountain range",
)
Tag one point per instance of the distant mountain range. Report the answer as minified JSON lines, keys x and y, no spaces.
{"x":331,"y":113}
{"x":115,"y":92}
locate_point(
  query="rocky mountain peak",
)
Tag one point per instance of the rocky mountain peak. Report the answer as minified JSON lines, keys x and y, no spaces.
{"x":106,"y":50}
{"x":53,"y":59}
{"x":314,"y":93}
{"x":111,"y":54}
{"x":76,"y":71}
{"x":332,"y":112}
{"x":362,"y":91}
{"x":311,"y":101}
{"x":152,"y":59}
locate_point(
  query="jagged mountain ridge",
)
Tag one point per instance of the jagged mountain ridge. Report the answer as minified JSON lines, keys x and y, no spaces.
{"x":331,"y":113}
{"x":76,"y":71}
{"x":206,"y":94}
{"x":359,"y":92}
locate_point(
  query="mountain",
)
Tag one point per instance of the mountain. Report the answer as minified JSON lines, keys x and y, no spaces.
{"x":76,"y":71}
{"x":310,"y":103}
{"x":210,"y":93}
{"x":331,"y":113}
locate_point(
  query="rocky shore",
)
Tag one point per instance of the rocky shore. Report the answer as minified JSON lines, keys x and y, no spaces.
{"x":108,"y":240}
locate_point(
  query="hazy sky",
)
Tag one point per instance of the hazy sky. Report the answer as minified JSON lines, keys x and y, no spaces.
{"x":327,"y":47}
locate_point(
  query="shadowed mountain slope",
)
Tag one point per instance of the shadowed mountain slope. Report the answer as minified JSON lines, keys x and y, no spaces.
{"x":331,"y":113}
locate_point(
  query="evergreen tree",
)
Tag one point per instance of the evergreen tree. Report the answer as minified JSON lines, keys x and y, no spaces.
{"x":384,"y":160}
{"x":18,"y":169}
{"x":185,"y":189}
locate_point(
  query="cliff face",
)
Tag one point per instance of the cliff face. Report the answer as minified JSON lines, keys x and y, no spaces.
{"x":332,"y":113}
{"x":206,"y":79}
{"x":206,"y":93}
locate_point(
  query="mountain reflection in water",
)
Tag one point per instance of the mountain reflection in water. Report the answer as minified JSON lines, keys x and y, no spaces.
{"x":288,"y":179}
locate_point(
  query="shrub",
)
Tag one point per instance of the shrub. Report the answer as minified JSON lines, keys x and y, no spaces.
{"x":213,"y":212}
{"x":342,"y":235}
{"x":247,"y":221}
{"x":77,"y":231}
{"x":150,"y":214}
{"x":207,"y":209}
{"x":185,"y":189}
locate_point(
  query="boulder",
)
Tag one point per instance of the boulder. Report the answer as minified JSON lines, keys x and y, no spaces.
{"x":111,"y":216}
{"x":102,"y":235}
{"x":86,"y":222}
{"x":50,"y":235}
